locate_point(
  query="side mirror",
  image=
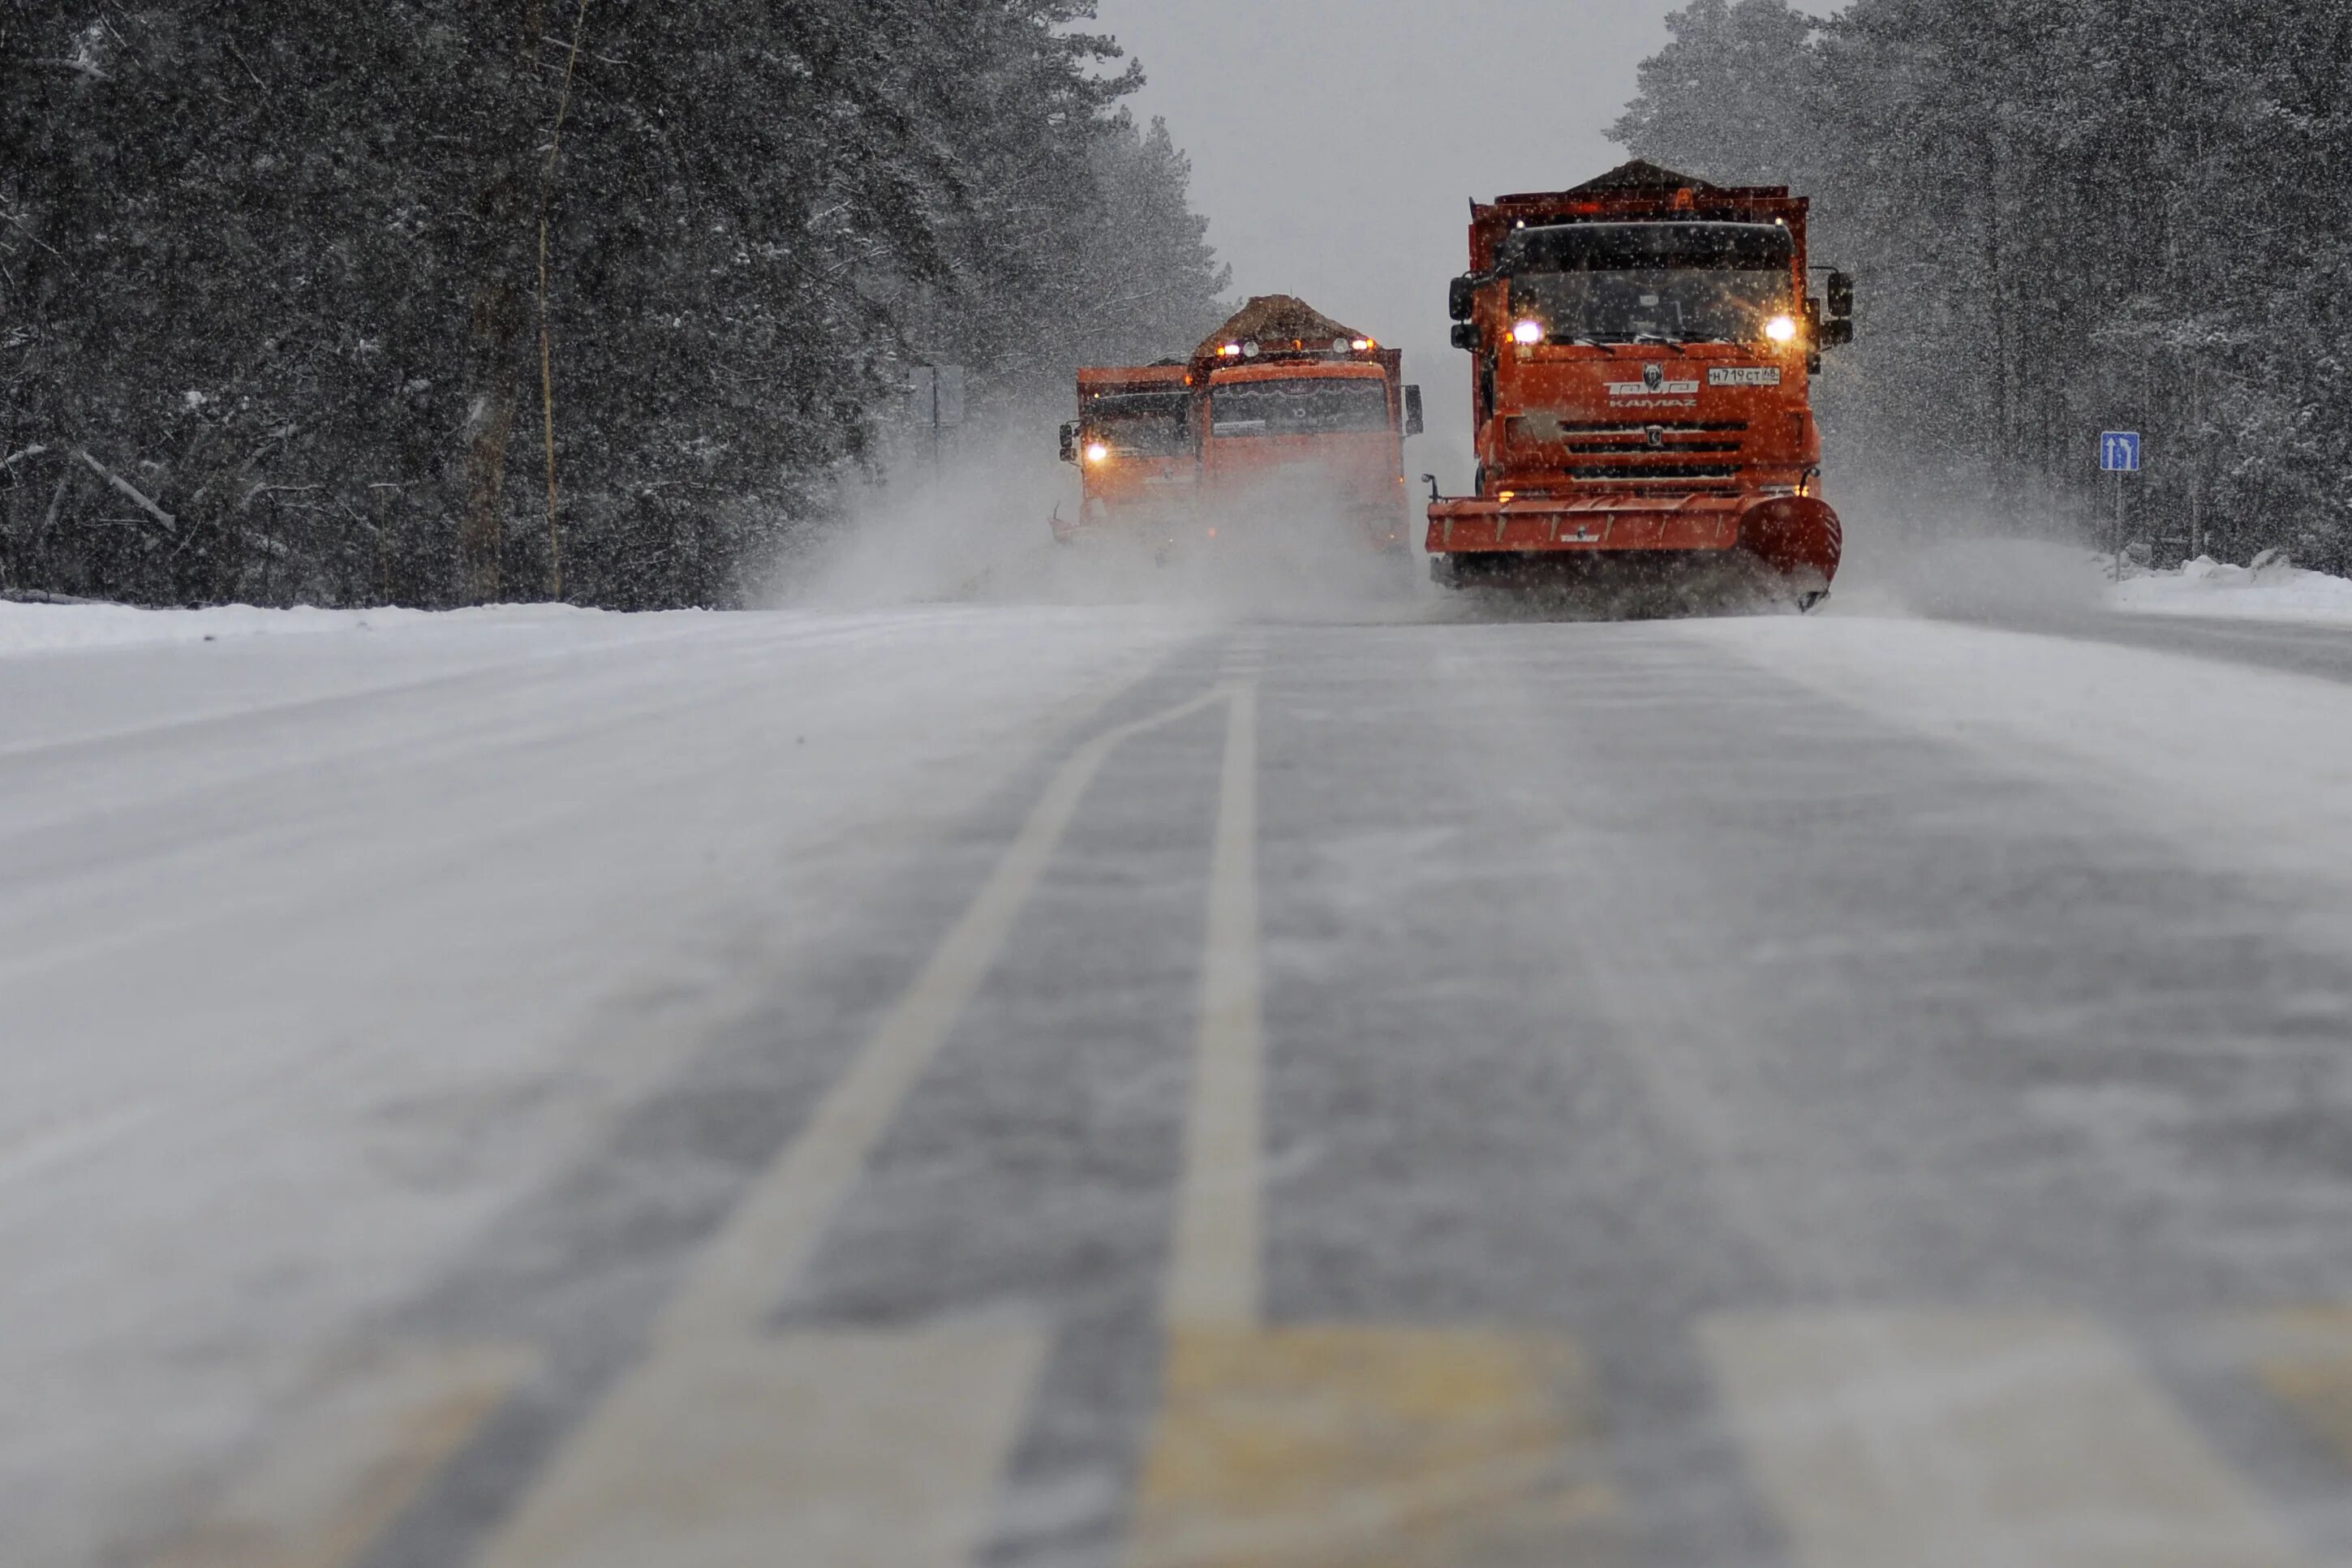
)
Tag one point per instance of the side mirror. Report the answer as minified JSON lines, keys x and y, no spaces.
{"x":1466,"y":336}
{"x":1460,"y":297}
{"x":1412,"y":411}
{"x":1070,"y":442}
{"x":1837,"y":334}
{"x":1841,"y":293}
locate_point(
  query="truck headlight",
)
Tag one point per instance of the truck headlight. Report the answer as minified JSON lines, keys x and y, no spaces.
{"x":1097,"y":452}
{"x":1781,"y":329}
{"x":1530,"y":331}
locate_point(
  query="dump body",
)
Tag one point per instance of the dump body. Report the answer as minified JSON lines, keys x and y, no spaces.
{"x":1644,"y":353}
{"x":1281,"y":409}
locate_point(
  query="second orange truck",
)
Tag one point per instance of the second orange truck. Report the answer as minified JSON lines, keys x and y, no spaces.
{"x":1281,"y":398}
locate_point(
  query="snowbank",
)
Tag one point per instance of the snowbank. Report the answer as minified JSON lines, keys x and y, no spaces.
{"x":2209,"y":756}
{"x":2205,"y":587}
{"x":52,"y":628}
{"x":1969,"y":577}
{"x":2020,"y":579}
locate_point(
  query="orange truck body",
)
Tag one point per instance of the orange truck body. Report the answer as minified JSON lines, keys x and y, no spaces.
{"x":1138,"y":458}
{"x":1642,"y":395}
{"x":1280,"y":403}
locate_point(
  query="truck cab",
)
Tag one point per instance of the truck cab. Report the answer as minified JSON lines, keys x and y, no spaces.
{"x":1137,"y":445}
{"x":1307,"y":414}
{"x":1282,"y":417}
{"x":1329,"y":433}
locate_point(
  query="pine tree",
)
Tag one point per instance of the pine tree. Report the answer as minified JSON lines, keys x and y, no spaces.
{"x":2066,"y":216}
{"x":274,"y":323}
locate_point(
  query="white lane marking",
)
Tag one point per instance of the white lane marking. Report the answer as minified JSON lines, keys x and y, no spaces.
{"x":815,"y":1450}
{"x":1331,"y":1443}
{"x":1212,"y":1273}
{"x":1978,"y":1441}
{"x":774,"y":1228}
{"x":354,"y":1459}
{"x":638,"y":1469}
{"x":344,"y":1466}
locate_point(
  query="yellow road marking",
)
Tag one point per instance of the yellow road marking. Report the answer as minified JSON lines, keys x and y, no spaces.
{"x":352,"y":1460}
{"x":1319,"y":1446}
{"x":2305,"y":1359}
{"x":1324,"y":1446}
{"x":1975,"y":1441}
{"x":720,"y":1480}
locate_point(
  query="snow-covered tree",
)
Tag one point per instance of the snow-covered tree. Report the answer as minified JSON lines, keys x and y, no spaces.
{"x":302,"y":300}
{"x":2067,"y":215}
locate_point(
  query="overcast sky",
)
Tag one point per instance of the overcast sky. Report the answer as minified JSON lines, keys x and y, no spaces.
{"x":1335,"y":145}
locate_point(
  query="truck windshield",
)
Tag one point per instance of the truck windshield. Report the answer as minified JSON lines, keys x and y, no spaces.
{"x":1303,"y":405}
{"x":1684,"y":305}
{"x":1680,"y":282}
{"x":1141,"y":425}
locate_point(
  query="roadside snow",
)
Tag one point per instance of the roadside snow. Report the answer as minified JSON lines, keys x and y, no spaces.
{"x":2240,"y":768}
{"x":52,"y":628}
{"x":2008,"y":581}
{"x":317,"y":952}
{"x":2205,"y":587}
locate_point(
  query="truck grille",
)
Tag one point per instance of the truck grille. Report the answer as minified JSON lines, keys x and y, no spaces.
{"x":1635,"y":454}
{"x":1636,"y":442}
{"x":1630,"y":435}
{"x":1644,"y":472}
{"x":1637,"y":426}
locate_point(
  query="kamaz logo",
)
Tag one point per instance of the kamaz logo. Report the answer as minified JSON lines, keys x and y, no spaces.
{"x":1654,"y":383}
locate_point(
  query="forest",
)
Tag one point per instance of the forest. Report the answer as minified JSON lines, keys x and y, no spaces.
{"x":439,"y":302}
{"x":2065,"y":217}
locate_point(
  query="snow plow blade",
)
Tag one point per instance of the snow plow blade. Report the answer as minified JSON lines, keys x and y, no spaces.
{"x":1793,"y":540}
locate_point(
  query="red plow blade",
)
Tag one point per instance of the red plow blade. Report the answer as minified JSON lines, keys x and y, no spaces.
{"x":1792,"y":536}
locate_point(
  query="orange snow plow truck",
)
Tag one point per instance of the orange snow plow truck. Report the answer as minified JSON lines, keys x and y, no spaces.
{"x":1281,"y":395}
{"x":1136,"y":449}
{"x":1644,"y":346}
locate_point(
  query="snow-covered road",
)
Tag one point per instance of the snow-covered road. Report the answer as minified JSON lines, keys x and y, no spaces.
{"x":1026,"y":1086}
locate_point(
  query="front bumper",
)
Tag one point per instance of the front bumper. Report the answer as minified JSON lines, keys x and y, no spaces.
{"x":1790,"y":534}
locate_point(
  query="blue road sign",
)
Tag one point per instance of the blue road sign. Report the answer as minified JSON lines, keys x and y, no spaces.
{"x":2119,"y":452}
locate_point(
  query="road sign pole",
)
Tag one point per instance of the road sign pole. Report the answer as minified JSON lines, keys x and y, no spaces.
{"x":2119,"y":453}
{"x":2119,"y":525}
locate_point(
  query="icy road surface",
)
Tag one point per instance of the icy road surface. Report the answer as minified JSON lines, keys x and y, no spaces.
{"x":1020,"y":1087}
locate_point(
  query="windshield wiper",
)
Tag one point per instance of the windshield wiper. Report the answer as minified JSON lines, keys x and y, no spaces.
{"x":1661,"y":337}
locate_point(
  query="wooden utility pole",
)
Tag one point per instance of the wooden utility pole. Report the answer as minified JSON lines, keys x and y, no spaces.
{"x":2196,"y":459}
{"x":546,"y":333}
{"x":509,"y":121}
